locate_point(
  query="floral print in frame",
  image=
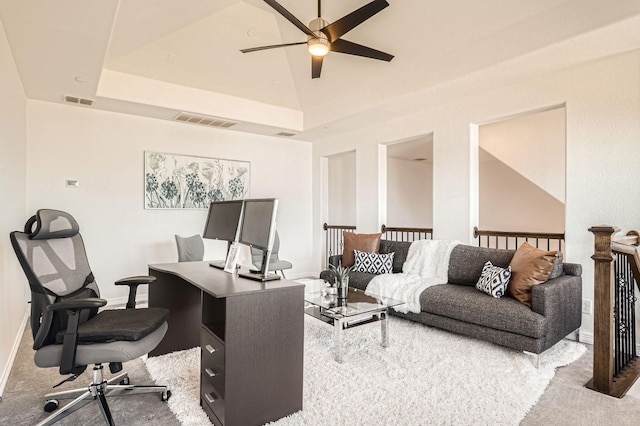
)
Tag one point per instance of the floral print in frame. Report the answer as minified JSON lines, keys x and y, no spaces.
{"x":186,"y":182}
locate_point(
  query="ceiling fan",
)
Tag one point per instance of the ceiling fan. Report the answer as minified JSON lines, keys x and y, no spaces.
{"x":323,"y":37}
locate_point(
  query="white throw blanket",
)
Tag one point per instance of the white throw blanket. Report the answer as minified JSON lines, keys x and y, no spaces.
{"x":427,"y":264}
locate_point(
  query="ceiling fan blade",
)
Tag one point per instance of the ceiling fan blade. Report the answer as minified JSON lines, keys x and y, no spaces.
{"x":272,"y":46}
{"x":295,"y":21}
{"x":350,"y":48}
{"x":345,"y":24}
{"x":316,"y":66}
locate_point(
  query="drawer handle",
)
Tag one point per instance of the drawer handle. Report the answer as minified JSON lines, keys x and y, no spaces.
{"x":210,"y":372}
{"x":210,"y":349}
{"x":210,"y":397}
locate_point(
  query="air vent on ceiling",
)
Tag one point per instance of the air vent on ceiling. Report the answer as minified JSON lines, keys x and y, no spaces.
{"x":286,"y":134}
{"x":204,"y":120}
{"x":77,"y":100}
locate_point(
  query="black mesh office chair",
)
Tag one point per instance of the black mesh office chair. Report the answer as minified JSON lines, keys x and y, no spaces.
{"x":275,"y":264}
{"x":68,"y":331}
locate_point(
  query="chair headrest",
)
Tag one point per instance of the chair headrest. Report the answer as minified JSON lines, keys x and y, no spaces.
{"x":51,"y":224}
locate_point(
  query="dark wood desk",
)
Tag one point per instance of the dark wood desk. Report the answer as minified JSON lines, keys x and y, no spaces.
{"x":251,"y":336}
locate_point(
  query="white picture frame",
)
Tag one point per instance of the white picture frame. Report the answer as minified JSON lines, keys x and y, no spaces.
{"x":232,"y":258}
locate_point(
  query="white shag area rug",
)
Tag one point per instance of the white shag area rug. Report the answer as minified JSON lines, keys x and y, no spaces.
{"x":425,"y":376}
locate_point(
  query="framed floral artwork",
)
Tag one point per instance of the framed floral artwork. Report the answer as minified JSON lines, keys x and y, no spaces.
{"x":186,"y":182}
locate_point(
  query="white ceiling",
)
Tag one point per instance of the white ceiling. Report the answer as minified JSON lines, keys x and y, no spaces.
{"x":416,"y":149}
{"x":157,"y":58}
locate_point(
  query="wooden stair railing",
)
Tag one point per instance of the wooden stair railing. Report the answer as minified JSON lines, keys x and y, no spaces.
{"x":406,"y":234}
{"x":616,"y":365}
{"x":503,"y":239}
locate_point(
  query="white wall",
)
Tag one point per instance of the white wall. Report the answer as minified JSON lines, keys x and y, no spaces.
{"x":409,"y":193}
{"x":341,"y":191}
{"x":104,"y":151}
{"x":602,"y":102}
{"x":533,"y":145}
{"x":13,"y":285}
{"x":510,"y":202}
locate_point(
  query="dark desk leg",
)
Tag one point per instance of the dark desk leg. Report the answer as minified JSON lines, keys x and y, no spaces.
{"x":184,"y":302}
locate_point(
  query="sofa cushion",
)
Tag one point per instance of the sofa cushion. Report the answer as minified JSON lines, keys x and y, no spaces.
{"x":558,"y":267}
{"x":494,"y":280}
{"x":506,"y":314}
{"x":529,"y":267}
{"x":401,"y":250}
{"x":368,"y":243}
{"x":360,"y":280}
{"x":466,"y":262}
{"x":374,"y":263}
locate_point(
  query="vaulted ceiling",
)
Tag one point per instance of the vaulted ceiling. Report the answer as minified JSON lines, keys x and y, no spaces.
{"x":158,"y":58}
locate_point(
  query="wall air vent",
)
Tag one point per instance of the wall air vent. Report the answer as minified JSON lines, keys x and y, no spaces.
{"x":204,"y":120}
{"x":76,"y":100}
{"x":286,"y":134}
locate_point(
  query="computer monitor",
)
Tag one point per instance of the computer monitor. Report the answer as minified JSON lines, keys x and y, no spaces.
{"x":222,"y":224}
{"x":257,"y":230}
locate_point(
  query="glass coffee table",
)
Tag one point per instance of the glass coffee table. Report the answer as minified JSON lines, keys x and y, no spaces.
{"x":357,"y":309}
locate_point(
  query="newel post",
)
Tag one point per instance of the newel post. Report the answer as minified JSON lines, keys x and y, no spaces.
{"x":603,"y":323}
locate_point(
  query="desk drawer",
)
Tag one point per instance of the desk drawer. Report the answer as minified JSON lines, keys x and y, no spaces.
{"x":212,"y":417}
{"x":212,"y":349}
{"x":214,"y":375}
{"x":211,"y":397}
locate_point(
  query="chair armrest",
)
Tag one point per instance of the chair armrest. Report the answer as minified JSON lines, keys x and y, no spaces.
{"x":70,"y":341}
{"x":77,"y":304}
{"x":560,"y":301}
{"x":140,"y":279}
{"x":133,"y":283}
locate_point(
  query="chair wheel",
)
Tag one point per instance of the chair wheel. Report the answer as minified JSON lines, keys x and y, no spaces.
{"x":125,"y":381}
{"x":51,"y":405}
{"x":166,"y":395}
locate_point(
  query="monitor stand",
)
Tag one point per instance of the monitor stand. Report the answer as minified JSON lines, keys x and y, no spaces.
{"x":257,"y":276}
{"x":217,"y":264}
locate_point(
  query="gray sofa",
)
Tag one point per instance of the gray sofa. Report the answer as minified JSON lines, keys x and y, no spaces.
{"x":460,"y":308}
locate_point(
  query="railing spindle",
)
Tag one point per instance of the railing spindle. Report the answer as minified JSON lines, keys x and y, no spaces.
{"x":504,"y":239}
{"x":406,"y":234}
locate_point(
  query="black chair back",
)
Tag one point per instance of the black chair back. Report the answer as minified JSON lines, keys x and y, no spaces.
{"x":54,"y":260}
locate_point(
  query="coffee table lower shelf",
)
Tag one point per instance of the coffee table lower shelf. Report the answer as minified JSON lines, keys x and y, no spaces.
{"x":341,"y":323}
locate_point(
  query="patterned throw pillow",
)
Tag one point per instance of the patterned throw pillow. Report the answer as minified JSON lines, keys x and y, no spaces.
{"x":373,"y":263}
{"x":494,"y":280}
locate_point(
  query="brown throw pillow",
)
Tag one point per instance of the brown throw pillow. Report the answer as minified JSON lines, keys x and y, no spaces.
{"x":368,"y":243}
{"x":529,"y":267}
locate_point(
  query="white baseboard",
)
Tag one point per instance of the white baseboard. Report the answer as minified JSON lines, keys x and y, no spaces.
{"x":142,"y":301}
{"x":12,"y":355}
{"x":586,"y":337}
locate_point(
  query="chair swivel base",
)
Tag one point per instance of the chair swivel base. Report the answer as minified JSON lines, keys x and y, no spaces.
{"x":99,"y":389}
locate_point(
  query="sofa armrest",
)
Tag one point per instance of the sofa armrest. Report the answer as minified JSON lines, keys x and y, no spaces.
{"x":328,"y":275}
{"x":574,"y":269}
{"x":559,"y":300}
{"x":335,"y":260}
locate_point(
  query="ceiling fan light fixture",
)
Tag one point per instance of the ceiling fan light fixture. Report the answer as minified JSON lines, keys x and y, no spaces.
{"x":318,"y":46}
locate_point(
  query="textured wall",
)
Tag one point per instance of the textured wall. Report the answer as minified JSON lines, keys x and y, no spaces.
{"x":602,"y":100}
{"x":13,"y":285}
{"x":104,"y":151}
